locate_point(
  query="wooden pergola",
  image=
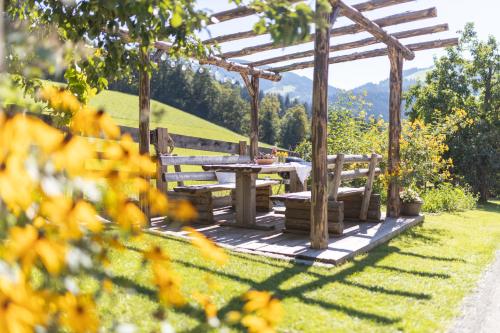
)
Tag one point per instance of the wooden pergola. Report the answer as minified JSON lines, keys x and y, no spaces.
{"x":324,"y":54}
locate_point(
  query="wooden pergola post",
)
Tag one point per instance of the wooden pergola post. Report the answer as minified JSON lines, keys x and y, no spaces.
{"x":144,"y":115}
{"x":396,"y":87}
{"x":252,"y":85}
{"x":319,"y":190}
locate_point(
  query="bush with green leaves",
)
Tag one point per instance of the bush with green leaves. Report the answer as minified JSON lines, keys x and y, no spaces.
{"x":447,"y":197}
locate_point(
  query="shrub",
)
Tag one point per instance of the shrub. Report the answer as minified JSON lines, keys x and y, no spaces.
{"x":448,"y":198}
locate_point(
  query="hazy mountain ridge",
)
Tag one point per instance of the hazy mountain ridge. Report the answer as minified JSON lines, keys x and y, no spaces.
{"x":300,"y":87}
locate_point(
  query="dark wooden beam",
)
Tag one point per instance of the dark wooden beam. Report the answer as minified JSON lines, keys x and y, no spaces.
{"x":228,"y":65}
{"x":144,"y":115}
{"x":393,"y":165}
{"x":252,"y":85}
{"x":435,"y":44}
{"x":362,"y":7}
{"x":235,"y":13}
{"x":352,"y":45}
{"x":319,"y":186}
{"x":373,"y":28}
{"x":341,"y":31}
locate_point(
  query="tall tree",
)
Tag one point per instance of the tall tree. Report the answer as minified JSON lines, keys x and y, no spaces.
{"x":467,"y":78}
{"x":269,"y":120}
{"x":294,"y":127}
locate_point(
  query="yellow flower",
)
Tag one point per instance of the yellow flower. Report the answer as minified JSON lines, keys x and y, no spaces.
{"x":256,"y":324}
{"x":71,"y":217}
{"x":129,"y":216}
{"x":72,"y":155}
{"x":78,"y":313}
{"x":263,"y":312}
{"x":16,"y":186}
{"x":159,"y":202}
{"x":107,"y":285}
{"x":156,"y":254}
{"x":21,"y":309}
{"x":28,"y":244}
{"x":182,"y":210}
{"x":207,"y":248}
{"x":169,"y":285}
{"x":207,"y":304}
{"x":45,"y":136}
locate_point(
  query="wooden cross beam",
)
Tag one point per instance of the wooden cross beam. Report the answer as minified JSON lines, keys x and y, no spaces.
{"x":356,"y":16}
{"x":352,"y":45}
{"x":237,"y":12}
{"x":435,"y":44}
{"x":341,"y":31}
{"x":228,"y":65}
{"x":362,"y":7}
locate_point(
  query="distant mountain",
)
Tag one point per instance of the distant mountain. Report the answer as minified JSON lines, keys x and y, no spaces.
{"x":300,"y":87}
{"x":377,"y":94}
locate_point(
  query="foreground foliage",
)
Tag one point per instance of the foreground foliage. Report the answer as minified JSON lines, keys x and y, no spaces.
{"x":51,"y":233}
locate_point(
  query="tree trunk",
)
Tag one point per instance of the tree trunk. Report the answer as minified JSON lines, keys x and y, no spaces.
{"x":254,"y":118}
{"x":144,"y":114}
{"x":2,"y":38}
{"x":319,"y":190}
{"x":393,"y":165}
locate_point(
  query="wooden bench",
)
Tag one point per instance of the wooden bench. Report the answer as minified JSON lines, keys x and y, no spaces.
{"x":344,"y":202}
{"x":201,"y":195}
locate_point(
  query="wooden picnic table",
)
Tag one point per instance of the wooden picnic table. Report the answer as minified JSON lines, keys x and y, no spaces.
{"x":246,"y":176}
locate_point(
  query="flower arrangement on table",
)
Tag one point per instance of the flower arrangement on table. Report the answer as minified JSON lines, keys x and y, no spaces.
{"x":281,"y":155}
{"x":265,"y":159}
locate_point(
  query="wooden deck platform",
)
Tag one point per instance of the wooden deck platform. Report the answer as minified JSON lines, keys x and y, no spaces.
{"x":357,"y":238}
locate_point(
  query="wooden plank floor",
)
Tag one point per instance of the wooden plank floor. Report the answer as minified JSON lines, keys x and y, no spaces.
{"x":357,"y":237}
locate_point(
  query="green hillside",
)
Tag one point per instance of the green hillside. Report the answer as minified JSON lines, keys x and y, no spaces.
{"x":124,"y":109}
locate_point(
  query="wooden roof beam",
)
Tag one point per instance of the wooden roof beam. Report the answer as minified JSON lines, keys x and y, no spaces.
{"x":435,"y":44}
{"x":228,"y":65}
{"x":362,"y":7}
{"x":370,"y":26}
{"x":235,"y":13}
{"x":342,"y":31}
{"x":352,"y":45}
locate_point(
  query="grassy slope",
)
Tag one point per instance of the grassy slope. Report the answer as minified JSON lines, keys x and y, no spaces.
{"x":415,"y":283}
{"x":123,"y":108}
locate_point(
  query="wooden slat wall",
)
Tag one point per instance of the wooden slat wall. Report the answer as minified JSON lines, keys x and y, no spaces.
{"x":203,"y":160}
{"x":182,"y":176}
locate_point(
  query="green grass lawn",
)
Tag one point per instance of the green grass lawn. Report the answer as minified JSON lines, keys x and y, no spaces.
{"x":415,"y":283}
{"x":124,"y":109}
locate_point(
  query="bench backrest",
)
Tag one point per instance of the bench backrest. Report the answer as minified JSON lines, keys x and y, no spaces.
{"x":179,"y":176}
{"x":337,"y":175}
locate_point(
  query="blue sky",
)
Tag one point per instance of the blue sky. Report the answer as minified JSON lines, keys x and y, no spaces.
{"x":484,"y":14}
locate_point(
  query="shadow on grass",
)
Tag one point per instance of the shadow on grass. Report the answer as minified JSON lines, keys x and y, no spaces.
{"x":423,"y":256}
{"x":148,"y":292}
{"x":275,"y":281}
{"x":318,"y":280}
{"x":490,"y":206}
{"x":420,"y":235}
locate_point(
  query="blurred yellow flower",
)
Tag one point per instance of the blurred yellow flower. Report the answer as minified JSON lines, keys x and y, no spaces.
{"x":169,"y":285}
{"x":22,"y":309}
{"x":78,"y":313}
{"x":27,"y":244}
{"x":156,"y":254}
{"x":207,"y":248}
{"x":263,"y":312}
{"x":208,"y":306}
